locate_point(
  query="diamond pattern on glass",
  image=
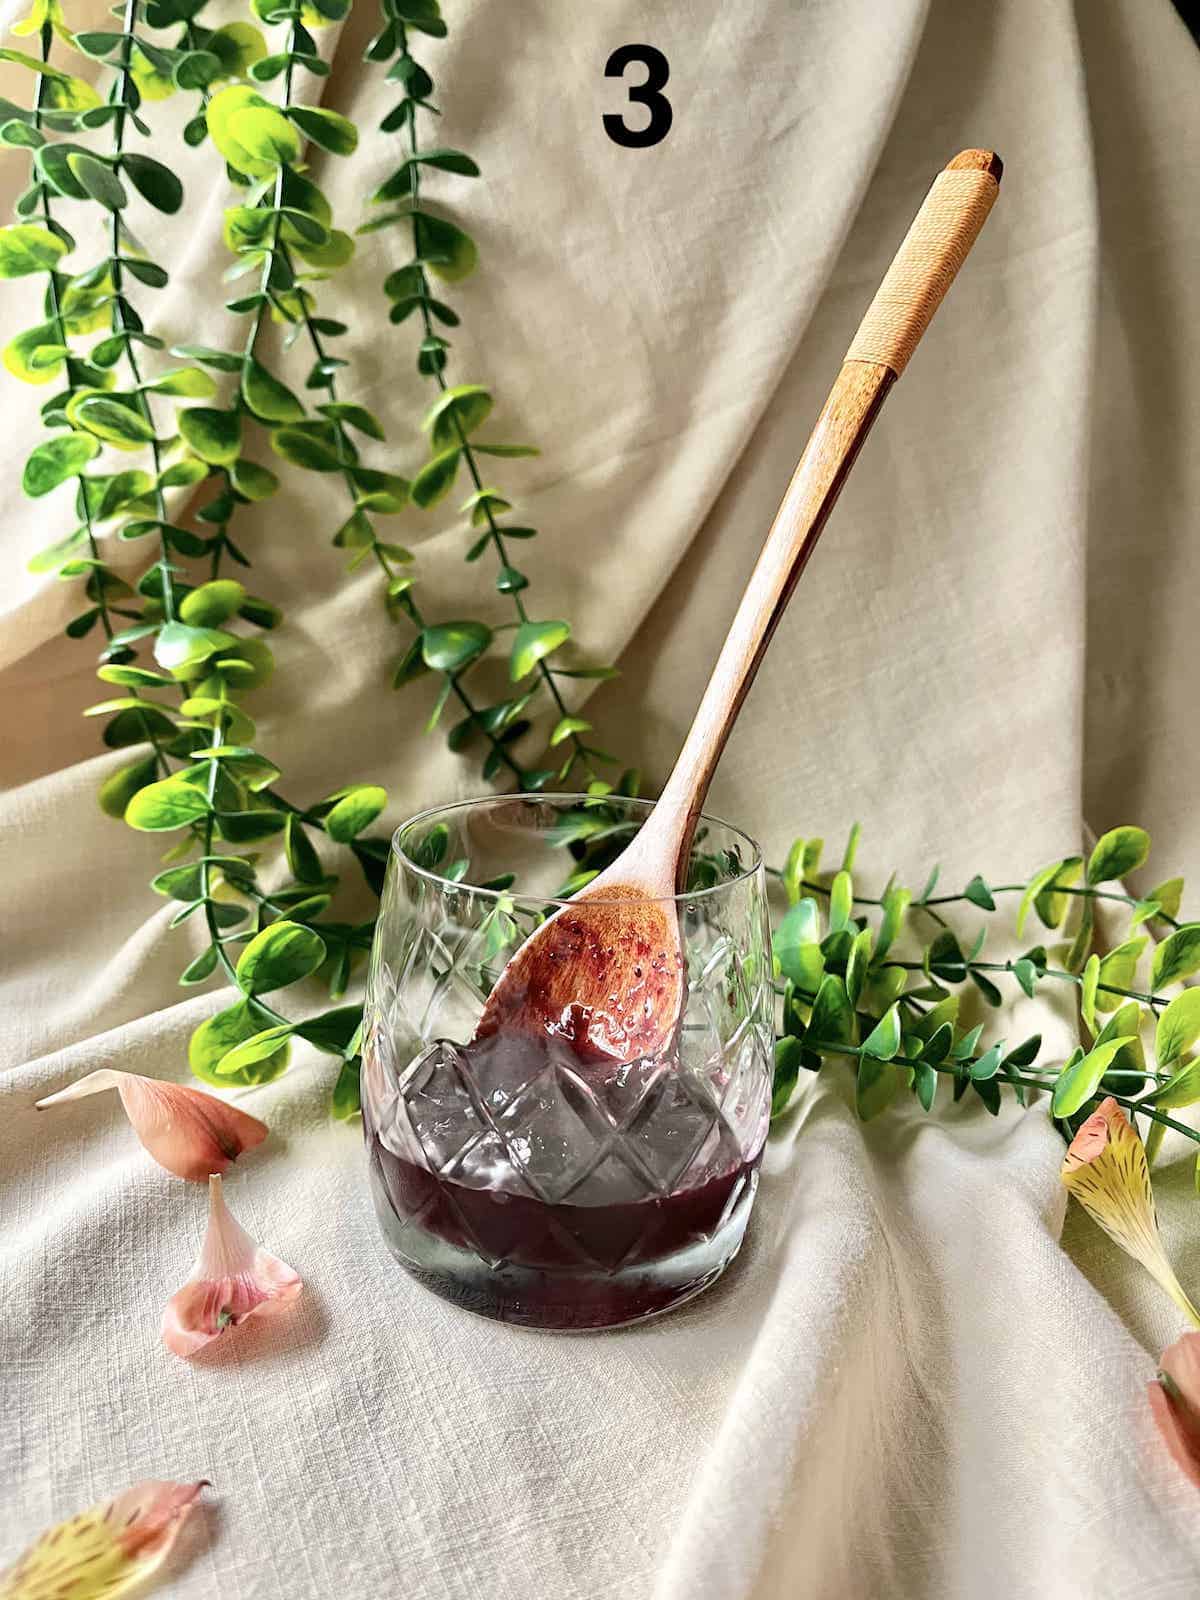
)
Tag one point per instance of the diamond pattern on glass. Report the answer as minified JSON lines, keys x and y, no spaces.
{"x":441,"y":1108}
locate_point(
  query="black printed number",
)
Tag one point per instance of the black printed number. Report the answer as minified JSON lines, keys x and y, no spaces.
{"x":647,"y":94}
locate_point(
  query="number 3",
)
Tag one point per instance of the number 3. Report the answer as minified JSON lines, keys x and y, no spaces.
{"x":646,"y":94}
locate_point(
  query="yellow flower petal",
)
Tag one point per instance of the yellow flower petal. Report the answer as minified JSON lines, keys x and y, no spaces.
{"x":105,"y":1550}
{"x":1105,"y":1169}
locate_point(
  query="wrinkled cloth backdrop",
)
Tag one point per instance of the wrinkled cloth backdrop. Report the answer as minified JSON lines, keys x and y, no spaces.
{"x":908,"y":1385}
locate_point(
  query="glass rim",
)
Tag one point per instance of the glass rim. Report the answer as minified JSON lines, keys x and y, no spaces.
{"x":479,"y":802}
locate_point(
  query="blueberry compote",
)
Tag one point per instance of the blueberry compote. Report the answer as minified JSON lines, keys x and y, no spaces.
{"x":530,"y":1184}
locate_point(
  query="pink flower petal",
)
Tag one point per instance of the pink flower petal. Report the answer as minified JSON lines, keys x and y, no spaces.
{"x":1175,"y":1402}
{"x":191,"y":1133}
{"x":105,"y":1550}
{"x":233,"y":1279}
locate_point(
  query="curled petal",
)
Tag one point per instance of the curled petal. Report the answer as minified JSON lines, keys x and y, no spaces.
{"x":1175,"y":1402}
{"x":191,"y":1133}
{"x":1105,"y":1169}
{"x":233,"y":1278}
{"x":105,"y":1550}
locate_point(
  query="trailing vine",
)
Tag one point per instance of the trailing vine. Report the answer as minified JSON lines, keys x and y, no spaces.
{"x":441,"y":247}
{"x":202,"y":774}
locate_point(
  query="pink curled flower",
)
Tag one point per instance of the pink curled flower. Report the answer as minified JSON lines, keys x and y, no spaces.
{"x":232,"y":1279}
{"x":1175,"y":1402}
{"x":191,"y":1133}
{"x":106,"y":1549}
{"x":1105,"y":1169}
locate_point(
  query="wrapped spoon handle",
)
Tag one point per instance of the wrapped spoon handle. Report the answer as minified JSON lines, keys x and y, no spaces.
{"x":922,"y":270}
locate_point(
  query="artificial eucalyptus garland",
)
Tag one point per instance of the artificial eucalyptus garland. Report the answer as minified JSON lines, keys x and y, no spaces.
{"x":871,"y":992}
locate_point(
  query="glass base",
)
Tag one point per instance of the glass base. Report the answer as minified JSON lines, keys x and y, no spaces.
{"x":564,"y":1298}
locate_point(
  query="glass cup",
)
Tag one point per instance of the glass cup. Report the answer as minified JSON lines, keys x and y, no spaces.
{"x":511,"y":1176}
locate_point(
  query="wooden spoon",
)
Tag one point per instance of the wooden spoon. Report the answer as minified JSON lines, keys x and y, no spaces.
{"x":606,"y":973}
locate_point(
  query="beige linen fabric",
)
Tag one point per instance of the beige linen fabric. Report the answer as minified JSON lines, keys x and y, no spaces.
{"x":906,"y":1386}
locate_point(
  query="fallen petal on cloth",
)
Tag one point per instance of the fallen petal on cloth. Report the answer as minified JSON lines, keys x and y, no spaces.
{"x":105,"y":1550}
{"x":232,"y":1279}
{"x":1105,"y":1169}
{"x":191,"y":1133}
{"x":1175,"y":1402}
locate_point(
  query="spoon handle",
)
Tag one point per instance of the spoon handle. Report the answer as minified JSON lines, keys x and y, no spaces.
{"x":924,"y":267}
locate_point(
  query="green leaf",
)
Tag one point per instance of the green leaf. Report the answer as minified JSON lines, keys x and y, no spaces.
{"x":353,"y":416}
{"x":841,"y":901}
{"x":449,"y":252}
{"x":925,"y":1082}
{"x":237,"y":46}
{"x":1081,"y":944}
{"x":1033,"y":889}
{"x":1117,"y":852}
{"x":112,"y":420}
{"x":221,"y":360}
{"x":346,"y":1101}
{"x":252,"y":480}
{"x":26,"y":247}
{"x":883,"y":1041}
{"x":98,"y":179}
{"x":875,"y":1086}
{"x":452,"y":646}
{"x":463,"y":407}
{"x":895,"y":905}
{"x":212,"y":603}
{"x":1118,"y":970}
{"x":1050,"y":904}
{"x":302,"y":858}
{"x":1182,"y":1090}
{"x":278,"y":956}
{"x":1178,"y":1027}
{"x":54,"y":555}
{"x":354,"y":812}
{"x":1143,"y":911}
{"x":258,"y":1047}
{"x":216,"y":1037}
{"x":797,"y":945}
{"x":1168,"y":895}
{"x":169,"y":803}
{"x":987,"y":1065}
{"x":153,"y":181}
{"x":57,"y":460}
{"x":851,"y":849}
{"x":192,"y":384}
{"x":332,"y":132}
{"x":978,"y":893}
{"x":1178,"y":956}
{"x":857,"y":964}
{"x":247,"y":827}
{"x":215,"y":436}
{"x":436,"y":478}
{"x":1087,"y":992}
{"x":332,"y":1031}
{"x":119,"y":788}
{"x":788,"y":1054}
{"x":267,"y":398}
{"x":832,"y":1020}
{"x":532,"y":642}
{"x":265,"y":134}
{"x":1080,"y":1078}
{"x":566,"y":726}
{"x":430,"y":850}
{"x":180,"y":646}
{"x":201,"y":968}
{"x":36,"y":354}
{"x":305,"y":450}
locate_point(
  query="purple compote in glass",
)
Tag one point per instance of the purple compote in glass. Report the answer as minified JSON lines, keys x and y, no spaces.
{"x":522,"y":1180}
